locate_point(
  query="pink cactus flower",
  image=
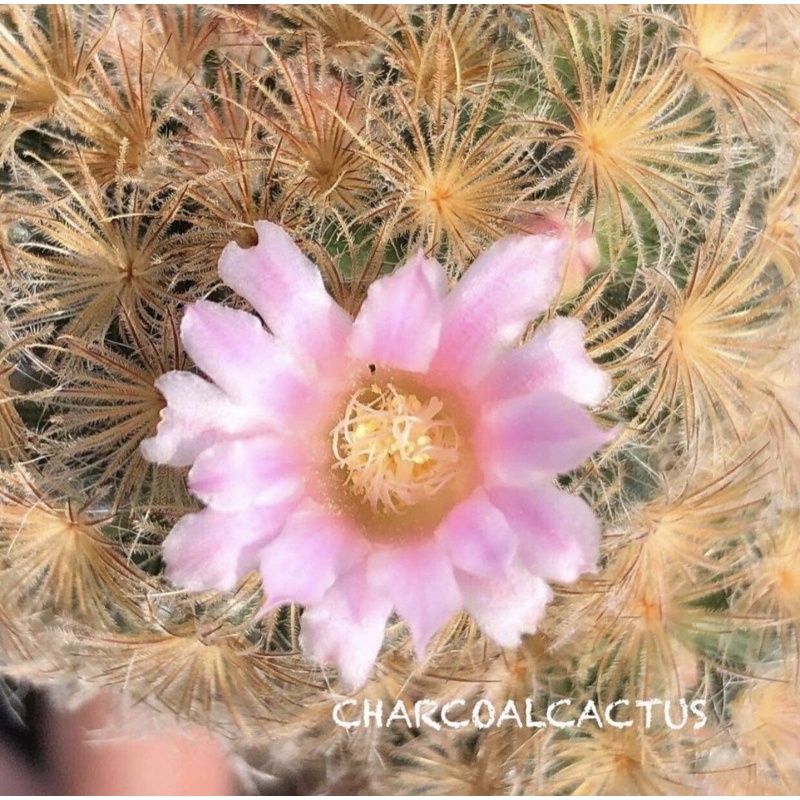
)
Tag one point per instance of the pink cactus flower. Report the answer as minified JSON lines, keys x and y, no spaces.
{"x":400,"y":461}
{"x":582,"y":254}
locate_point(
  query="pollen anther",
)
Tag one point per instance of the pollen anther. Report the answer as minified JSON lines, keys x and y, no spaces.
{"x":397,"y":449}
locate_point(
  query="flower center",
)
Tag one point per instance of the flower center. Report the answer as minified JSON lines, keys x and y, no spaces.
{"x":397,"y":449}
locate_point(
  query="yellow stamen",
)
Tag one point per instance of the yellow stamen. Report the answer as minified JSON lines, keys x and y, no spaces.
{"x":397,"y":449}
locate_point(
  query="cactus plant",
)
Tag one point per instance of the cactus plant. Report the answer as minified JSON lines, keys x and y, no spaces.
{"x":661,"y":141}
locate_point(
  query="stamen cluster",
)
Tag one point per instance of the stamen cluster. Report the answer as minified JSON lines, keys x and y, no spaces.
{"x":397,"y":449}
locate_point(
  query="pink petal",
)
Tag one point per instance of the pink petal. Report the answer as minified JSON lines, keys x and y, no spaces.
{"x":214,"y":550}
{"x":197,"y":414}
{"x":553,"y":359}
{"x":419,"y":580}
{"x":508,"y":607}
{"x":488,"y":311}
{"x":558,"y":535}
{"x":398,"y":325}
{"x":346,"y":628}
{"x":526,"y":436}
{"x":286,"y":289}
{"x":239,"y":474}
{"x":237,"y":353}
{"x":477,"y":537}
{"x":312,"y":550}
